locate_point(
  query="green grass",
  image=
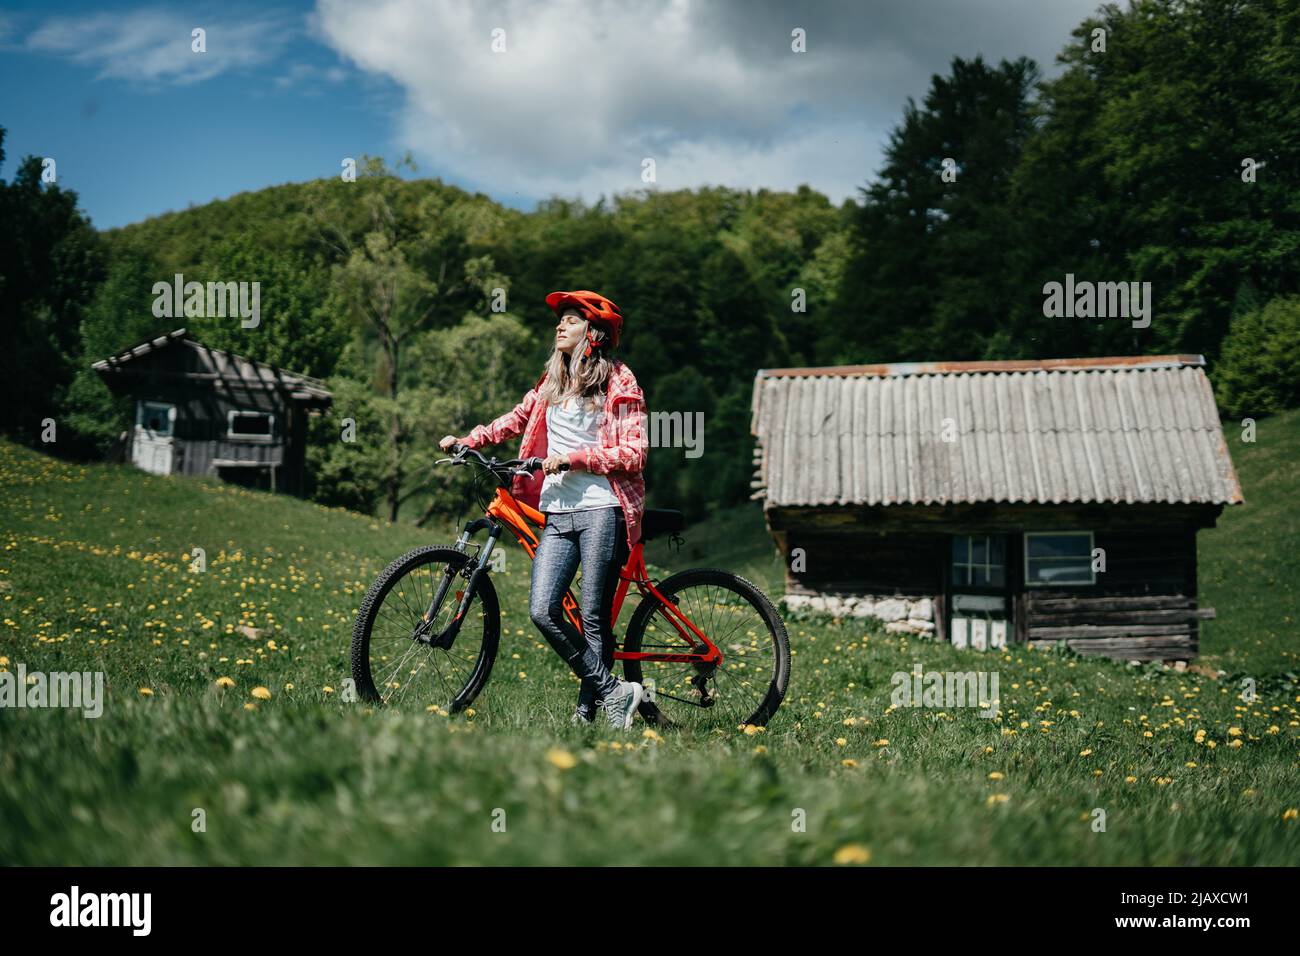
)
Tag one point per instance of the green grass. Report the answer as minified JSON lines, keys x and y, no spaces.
{"x":1249,"y":567}
{"x":95,"y":575}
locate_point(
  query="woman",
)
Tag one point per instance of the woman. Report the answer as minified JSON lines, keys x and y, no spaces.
{"x":586,"y":412}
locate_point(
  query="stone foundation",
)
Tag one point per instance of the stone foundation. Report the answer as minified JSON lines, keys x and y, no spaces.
{"x":901,"y":615}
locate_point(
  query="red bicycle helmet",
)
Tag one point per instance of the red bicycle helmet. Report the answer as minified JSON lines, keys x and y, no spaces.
{"x":593,"y":306}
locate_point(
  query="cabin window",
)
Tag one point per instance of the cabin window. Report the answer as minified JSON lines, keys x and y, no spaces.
{"x":979,"y":560}
{"x":157,"y":417}
{"x":255,"y":426}
{"x":1058,"y":557}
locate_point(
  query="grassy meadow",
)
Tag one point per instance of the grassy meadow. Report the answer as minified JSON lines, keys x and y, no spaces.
{"x":95,"y":575}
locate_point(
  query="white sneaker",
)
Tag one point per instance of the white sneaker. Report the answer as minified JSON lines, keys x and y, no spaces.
{"x":621,"y":706}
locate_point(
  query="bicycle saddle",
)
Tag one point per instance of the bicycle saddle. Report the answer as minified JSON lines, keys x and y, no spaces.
{"x":657,"y":521}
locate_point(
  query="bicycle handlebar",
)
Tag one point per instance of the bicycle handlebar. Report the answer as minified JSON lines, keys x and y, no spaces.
{"x":513,"y":466}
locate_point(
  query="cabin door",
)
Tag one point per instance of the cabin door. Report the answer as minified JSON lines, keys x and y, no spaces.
{"x":979,"y":600}
{"x":152,"y":445}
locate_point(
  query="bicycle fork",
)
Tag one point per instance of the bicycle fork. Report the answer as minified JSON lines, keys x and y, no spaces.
{"x":445,"y":639}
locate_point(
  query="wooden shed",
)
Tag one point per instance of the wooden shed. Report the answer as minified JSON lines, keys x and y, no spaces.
{"x":995,"y":502}
{"x":203,"y":411}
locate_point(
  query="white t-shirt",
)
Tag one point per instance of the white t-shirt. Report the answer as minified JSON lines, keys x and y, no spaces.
{"x":568,"y":428}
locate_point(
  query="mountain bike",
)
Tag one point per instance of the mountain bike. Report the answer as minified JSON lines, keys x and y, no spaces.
{"x":708,"y":645}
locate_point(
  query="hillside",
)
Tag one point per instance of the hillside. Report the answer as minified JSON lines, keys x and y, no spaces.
{"x":95,"y":576}
{"x":1250,"y":563}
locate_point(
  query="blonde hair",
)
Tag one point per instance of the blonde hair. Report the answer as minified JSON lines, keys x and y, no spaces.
{"x":572,"y":375}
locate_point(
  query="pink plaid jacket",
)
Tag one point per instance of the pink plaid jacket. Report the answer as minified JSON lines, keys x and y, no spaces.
{"x":621,"y":454}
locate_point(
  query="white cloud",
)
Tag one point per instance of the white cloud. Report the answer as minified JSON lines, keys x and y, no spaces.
{"x":153,"y":45}
{"x":587,"y":88}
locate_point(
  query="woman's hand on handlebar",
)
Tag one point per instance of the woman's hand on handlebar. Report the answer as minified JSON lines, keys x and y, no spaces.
{"x":555,"y":464}
{"x":448,"y":441}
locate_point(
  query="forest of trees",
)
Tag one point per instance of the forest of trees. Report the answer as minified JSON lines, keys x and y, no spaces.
{"x":1165,"y":150}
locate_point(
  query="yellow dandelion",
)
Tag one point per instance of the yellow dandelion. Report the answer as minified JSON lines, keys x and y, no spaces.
{"x":997,"y":798}
{"x":848,"y":762}
{"x":1290,"y":814}
{"x":327,"y":689}
{"x":225,"y":682}
{"x":882,"y":742}
{"x":1130,"y":779}
{"x":851,"y":854}
{"x":1234,"y":731}
{"x":250,"y":706}
{"x":562,"y":759}
{"x":760,"y":749}
{"x":840,"y":741}
{"x":1086,"y":753}
{"x":649,"y":734}
{"x":146,"y":692}
{"x":261,"y":693}
{"x":996,"y":775}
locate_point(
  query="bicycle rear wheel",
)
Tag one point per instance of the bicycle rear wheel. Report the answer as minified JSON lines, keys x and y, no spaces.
{"x":750,"y":683}
{"x":398,"y":657}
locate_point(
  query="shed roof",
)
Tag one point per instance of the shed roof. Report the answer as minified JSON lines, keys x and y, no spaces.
{"x":1129,"y":429}
{"x":210,"y":364}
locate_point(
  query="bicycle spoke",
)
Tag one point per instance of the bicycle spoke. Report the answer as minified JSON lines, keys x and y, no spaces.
{"x":399,"y":662}
{"x":738,"y":687}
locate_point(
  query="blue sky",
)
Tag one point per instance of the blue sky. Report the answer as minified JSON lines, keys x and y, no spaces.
{"x":577,"y":94}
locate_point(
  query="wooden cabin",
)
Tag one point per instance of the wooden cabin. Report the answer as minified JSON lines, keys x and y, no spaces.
{"x":993,"y":502}
{"x":204,"y":411}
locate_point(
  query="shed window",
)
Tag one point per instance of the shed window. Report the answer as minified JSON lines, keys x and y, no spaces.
{"x":979,"y":560}
{"x":254,"y":425}
{"x":1058,"y":558}
{"x":157,"y":417}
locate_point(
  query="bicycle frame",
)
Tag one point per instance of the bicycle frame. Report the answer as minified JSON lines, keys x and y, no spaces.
{"x":506,"y":511}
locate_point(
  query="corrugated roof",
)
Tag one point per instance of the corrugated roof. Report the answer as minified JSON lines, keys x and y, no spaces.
{"x":235,"y":370}
{"x":1127,"y":429}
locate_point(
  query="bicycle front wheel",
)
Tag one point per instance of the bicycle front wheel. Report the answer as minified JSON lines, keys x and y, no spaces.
{"x":402,"y":653}
{"x":750,"y":683}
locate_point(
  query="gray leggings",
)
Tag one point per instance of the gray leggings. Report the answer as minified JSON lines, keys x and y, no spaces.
{"x":593,"y":536}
